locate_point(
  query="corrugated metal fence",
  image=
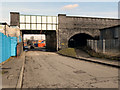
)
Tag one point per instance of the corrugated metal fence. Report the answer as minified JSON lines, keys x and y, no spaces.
{"x":8,"y":47}
{"x":105,"y":46}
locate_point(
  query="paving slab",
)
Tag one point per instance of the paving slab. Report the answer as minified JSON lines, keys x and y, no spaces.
{"x":84,"y":56}
{"x":11,"y":71}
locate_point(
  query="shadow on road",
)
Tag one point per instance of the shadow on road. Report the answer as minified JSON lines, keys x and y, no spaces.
{"x":41,"y":49}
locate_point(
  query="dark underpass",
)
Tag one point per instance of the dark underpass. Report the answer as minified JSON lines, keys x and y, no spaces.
{"x":79,"y":40}
{"x":51,"y":39}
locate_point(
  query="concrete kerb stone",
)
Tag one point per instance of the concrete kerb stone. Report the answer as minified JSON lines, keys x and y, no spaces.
{"x":17,"y":60}
{"x":112,"y":65}
{"x":11,"y":58}
{"x":20,"y":80}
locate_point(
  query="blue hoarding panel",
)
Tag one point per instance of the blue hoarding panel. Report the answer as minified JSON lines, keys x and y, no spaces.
{"x":13,"y":46}
{"x":20,"y":40}
{"x":0,"y":47}
{"x":8,"y":47}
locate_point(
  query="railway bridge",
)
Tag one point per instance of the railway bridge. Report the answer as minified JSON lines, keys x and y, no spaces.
{"x":61,"y":31}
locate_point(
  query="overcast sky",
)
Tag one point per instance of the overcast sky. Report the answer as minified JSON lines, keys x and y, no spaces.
{"x":93,"y":9}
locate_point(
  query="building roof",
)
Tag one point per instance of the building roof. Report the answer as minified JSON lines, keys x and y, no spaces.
{"x":110,"y":27}
{"x":4,"y":23}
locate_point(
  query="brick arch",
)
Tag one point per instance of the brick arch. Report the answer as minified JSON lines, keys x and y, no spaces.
{"x":79,"y":39}
{"x":80,"y":32}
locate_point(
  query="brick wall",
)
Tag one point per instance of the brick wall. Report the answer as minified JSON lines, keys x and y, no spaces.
{"x":70,"y":25}
{"x":19,"y":48}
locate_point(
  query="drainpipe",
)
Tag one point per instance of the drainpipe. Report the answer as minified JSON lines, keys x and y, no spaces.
{"x":5,"y":28}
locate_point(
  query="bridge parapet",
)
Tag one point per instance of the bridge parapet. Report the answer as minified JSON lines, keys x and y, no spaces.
{"x":38,"y":22}
{"x":34,"y":22}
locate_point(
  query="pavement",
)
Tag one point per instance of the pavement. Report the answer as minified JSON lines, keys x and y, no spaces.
{"x":81,"y":55}
{"x":11,"y":72}
{"x":113,"y":63}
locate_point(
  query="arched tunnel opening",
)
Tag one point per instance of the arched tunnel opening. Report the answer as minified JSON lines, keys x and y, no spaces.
{"x":38,"y":40}
{"x":79,"y":40}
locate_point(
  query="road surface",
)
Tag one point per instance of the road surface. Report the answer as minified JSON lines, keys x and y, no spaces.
{"x":50,"y":70}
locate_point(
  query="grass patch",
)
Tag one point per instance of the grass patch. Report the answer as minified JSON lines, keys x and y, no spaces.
{"x":68,"y":52}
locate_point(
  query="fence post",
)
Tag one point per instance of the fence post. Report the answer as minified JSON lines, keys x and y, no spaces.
{"x":96,"y":45}
{"x":119,"y":44}
{"x":92,"y":44}
{"x":88,"y":43}
{"x":103,"y":46}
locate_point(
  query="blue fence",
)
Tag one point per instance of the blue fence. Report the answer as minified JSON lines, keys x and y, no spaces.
{"x":8,"y":47}
{"x":20,"y":40}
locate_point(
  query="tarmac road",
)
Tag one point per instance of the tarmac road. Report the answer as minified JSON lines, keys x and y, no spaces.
{"x":50,"y":70}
